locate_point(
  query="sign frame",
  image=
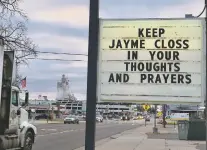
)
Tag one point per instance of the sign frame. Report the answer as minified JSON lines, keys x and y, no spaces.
{"x":203,"y":65}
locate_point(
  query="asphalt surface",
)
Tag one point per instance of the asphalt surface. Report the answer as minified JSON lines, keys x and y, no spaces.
{"x":72,"y":136}
{"x":201,"y":147}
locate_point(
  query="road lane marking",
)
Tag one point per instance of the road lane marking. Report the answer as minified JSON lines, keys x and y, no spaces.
{"x":66,"y":131}
{"x":49,"y":129}
{"x":82,"y":129}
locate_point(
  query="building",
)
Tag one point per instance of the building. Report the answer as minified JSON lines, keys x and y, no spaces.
{"x":74,"y":106}
{"x":42,"y":106}
{"x":69,"y":102}
{"x":66,"y":102}
{"x":191,"y":109}
{"x":115,"y":108}
{"x":64,"y":94}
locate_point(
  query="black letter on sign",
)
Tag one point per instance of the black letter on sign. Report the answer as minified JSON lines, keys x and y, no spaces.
{"x":111,"y":78}
{"x":140,"y":32}
{"x":185,"y":42}
{"x":177,"y":67}
{"x":118,"y":78}
{"x":126,"y":78}
{"x":152,"y":54}
{"x":176,"y":55}
{"x":143,"y":77}
{"x":161,"y":31}
{"x":150,"y":78}
{"x":188,"y":78}
{"x":156,"y":44}
{"x":113,"y":44}
{"x":132,"y":55}
{"x":127,"y":63}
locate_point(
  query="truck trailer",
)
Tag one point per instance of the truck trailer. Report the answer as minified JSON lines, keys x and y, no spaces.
{"x":15,"y":130}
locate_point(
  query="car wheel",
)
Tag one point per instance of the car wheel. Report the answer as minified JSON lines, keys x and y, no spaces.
{"x":28,"y":141}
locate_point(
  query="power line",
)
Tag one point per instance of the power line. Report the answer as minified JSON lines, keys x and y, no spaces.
{"x":60,"y":59}
{"x":202,"y":11}
{"x":56,"y":53}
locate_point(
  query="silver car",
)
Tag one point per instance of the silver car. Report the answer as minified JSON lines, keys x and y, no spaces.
{"x":71,"y":119}
{"x":99,"y":118}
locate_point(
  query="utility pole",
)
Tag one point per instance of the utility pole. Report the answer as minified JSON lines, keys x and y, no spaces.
{"x":48,"y":112}
{"x":206,"y":75}
{"x":58,"y":108}
{"x":164,"y":114}
{"x":92,"y":75}
{"x":155,"y":129}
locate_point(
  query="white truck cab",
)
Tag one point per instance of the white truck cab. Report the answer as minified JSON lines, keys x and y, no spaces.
{"x":15,"y":129}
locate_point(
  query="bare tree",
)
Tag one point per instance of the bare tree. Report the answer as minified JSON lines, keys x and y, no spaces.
{"x":11,"y":8}
{"x":14,"y":31}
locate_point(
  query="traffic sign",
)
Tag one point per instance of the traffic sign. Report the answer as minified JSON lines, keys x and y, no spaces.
{"x":146,"y":107}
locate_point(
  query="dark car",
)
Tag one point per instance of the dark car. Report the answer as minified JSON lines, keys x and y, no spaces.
{"x":42,"y":116}
{"x":71,"y":119}
{"x":124,"y":117}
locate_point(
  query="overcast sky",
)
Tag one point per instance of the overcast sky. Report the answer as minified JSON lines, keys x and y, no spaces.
{"x":62,"y":26}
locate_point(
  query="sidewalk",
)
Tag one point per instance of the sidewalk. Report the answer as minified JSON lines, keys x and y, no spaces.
{"x":142,"y":139}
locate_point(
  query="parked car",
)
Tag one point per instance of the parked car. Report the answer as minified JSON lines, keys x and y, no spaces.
{"x":71,"y":119}
{"x":99,"y":118}
{"x":124,"y":117}
{"x":140,"y":117}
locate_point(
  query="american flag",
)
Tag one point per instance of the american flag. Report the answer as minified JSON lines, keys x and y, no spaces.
{"x":24,"y":83}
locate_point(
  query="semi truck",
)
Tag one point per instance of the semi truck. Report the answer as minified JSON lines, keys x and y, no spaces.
{"x":15,"y":130}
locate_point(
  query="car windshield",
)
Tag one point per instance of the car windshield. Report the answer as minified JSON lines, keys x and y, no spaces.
{"x":71,"y":116}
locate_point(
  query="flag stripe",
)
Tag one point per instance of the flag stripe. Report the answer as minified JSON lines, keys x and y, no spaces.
{"x":23,"y":82}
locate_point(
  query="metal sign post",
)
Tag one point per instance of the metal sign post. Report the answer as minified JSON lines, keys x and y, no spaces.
{"x":92,"y":75}
{"x":164,"y":115}
{"x":155,"y":129}
{"x":205,"y":77}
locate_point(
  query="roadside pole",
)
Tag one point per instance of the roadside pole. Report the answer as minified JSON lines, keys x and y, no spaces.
{"x":48,"y":113}
{"x":206,"y":75}
{"x":163,"y":115}
{"x":92,"y":75}
{"x":155,"y":130}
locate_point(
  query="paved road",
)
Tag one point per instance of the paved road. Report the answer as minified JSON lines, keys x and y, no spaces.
{"x":70,"y":136}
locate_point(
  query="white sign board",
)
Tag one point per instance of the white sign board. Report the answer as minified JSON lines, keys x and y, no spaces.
{"x":151,"y":61}
{"x":179,"y":116}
